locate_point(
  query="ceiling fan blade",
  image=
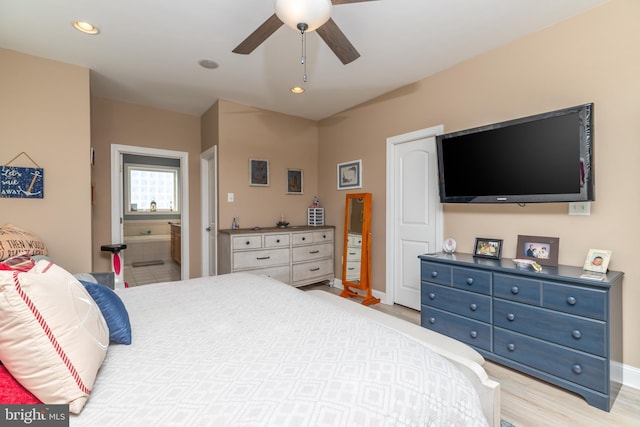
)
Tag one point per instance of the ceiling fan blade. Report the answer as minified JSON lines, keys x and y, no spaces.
{"x":338,"y":42}
{"x":335,"y":2}
{"x":256,"y":38}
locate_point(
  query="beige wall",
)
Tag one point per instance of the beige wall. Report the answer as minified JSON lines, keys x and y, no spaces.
{"x":286,"y":142}
{"x":591,"y":58}
{"x":44,"y":111}
{"x":121,"y":123}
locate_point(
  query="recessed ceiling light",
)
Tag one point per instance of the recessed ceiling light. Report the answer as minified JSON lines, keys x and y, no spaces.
{"x":85,"y":27}
{"x":297,"y":90}
{"x":208,"y":63}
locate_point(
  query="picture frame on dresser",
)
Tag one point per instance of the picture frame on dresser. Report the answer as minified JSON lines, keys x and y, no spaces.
{"x":543,"y":250}
{"x":295,"y":181}
{"x":258,"y":173}
{"x":487,"y":248}
{"x":597,"y":260}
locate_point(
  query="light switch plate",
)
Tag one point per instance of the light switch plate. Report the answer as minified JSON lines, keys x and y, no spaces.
{"x":230,"y":197}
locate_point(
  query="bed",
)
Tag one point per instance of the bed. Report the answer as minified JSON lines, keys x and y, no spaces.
{"x":246,"y":350}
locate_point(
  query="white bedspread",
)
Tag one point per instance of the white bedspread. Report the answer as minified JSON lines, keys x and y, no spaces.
{"x":242,"y":350}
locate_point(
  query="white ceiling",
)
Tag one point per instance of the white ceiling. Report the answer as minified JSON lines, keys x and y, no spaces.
{"x":148,"y":50}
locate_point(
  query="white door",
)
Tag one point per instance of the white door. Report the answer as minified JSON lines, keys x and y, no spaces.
{"x":414,"y":213}
{"x":209,"y":186}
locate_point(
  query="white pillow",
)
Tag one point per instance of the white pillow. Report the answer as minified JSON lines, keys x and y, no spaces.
{"x":53,"y":337}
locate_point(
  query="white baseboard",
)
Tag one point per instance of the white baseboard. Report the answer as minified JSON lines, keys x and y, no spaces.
{"x":630,"y":374}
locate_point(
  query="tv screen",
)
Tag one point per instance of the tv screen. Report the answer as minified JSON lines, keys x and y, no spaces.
{"x":541,"y":158}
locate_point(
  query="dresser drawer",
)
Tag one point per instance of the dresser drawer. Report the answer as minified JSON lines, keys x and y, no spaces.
{"x":353,"y":271}
{"x":517,"y":289}
{"x":302,"y":238}
{"x":279,"y":273}
{"x":564,"y":329}
{"x":571,"y":299}
{"x":571,"y":365}
{"x":436,"y":273}
{"x":306,"y":253}
{"x":466,"y":330}
{"x":323,"y":236}
{"x":354,"y":240}
{"x":247,"y":242}
{"x":472,"y":280}
{"x":309,"y":270}
{"x":469,"y":304}
{"x":276,"y":240}
{"x":260,"y":259}
{"x":354,"y":253}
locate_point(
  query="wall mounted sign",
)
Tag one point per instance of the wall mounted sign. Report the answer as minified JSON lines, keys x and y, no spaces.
{"x":21,"y":182}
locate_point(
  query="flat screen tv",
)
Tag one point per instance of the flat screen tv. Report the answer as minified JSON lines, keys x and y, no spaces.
{"x":542,"y":158}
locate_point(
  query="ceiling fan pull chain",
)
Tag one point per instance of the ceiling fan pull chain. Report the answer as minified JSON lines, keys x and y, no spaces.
{"x":303,"y":59}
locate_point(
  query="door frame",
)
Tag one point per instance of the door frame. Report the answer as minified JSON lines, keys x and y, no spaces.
{"x":391,"y":202}
{"x":205,"y":193}
{"x":117,"y":196}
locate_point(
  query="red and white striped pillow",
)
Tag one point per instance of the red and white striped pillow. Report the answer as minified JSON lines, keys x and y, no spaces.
{"x":53,"y":337}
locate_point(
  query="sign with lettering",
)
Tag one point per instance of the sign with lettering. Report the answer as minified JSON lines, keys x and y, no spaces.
{"x":18,"y":182}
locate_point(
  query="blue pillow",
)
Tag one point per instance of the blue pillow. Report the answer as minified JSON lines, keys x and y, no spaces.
{"x":113,"y":311}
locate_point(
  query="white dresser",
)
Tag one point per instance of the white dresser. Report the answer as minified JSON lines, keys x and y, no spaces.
{"x":295,"y":255}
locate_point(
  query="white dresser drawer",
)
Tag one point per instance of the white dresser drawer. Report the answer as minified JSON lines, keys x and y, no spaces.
{"x":279,"y":273}
{"x":276,"y":240}
{"x":260,"y":259}
{"x":306,"y":253}
{"x":247,"y":242}
{"x":309,"y":270}
{"x":323,"y":236}
{"x":353,"y":271}
{"x":354,"y":253}
{"x":302,"y":238}
{"x":354,"y":240}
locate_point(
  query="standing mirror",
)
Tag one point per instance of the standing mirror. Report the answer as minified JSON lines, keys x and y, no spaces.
{"x":356,"y":260}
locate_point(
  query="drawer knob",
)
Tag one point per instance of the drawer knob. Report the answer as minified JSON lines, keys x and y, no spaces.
{"x":577,"y":369}
{"x":473,"y":307}
{"x":511,"y":347}
{"x":515,"y":290}
{"x":434,"y":274}
{"x":576,"y":334}
{"x":432,"y":295}
{"x":247,"y":242}
{"x":304,"y":238}
{"x":432,"y":320}
{"x":277,"y":240}
{"x":571,"y":301}
{"x":314,"y":269}
{"x":314,"y":252}
{"x":474,"y":334}
{"x":263,"y":257}
{"x":324,"y":236}
{"x":511,"y":317}
{"x":469,"y":280}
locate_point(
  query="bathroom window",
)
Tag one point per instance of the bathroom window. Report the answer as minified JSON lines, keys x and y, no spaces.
{"x":152,"y":189}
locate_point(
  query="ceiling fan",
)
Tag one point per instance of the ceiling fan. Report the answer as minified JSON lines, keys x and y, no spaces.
{"x":318,"y":13}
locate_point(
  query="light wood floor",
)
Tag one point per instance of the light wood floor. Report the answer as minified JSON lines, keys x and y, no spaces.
{"x":528,"y":402}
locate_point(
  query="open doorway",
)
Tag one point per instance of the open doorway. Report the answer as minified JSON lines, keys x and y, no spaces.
{"x":155,"y":226}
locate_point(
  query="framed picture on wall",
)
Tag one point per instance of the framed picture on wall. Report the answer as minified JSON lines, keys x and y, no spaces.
{"x":259,"y":172}
{"x":543,"y":250}
{"x":350,"y":175}
{"x":294,"y":181}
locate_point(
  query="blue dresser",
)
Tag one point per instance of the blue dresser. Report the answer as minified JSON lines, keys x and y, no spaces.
{"x":553,"y":325}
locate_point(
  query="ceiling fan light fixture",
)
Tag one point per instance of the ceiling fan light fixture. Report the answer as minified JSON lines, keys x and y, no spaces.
{"x":314,"y":13}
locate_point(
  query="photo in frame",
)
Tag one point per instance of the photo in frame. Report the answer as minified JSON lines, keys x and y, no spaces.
{"x":597,"y":260}
{"x":543,"y":250}
{"x":259,"y":172}
{"x":350,"y":175}
{"x":487,"y":248}
{"x":294,"y":181}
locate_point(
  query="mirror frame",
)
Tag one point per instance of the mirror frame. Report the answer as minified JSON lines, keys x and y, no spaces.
{"x":365,"y":258}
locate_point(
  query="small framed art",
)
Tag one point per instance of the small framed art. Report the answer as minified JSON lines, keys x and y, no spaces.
{"x":487,"y":248}
{"x":350,"y":175}
{"x":543,"y":250}
{"x":259,"y":172}
{"x":294,"y":181}
{"x":597,"y":260}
